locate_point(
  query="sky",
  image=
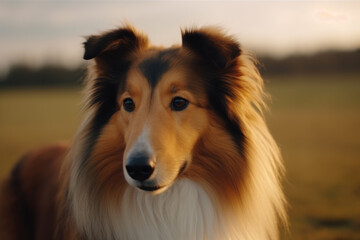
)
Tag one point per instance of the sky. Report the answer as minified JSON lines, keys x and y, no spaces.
{"x":52,"y":32}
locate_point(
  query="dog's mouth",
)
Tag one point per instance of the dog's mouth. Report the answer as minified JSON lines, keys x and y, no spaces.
{"x":161,"y":188}
{"x":150,"y":188}
{"x":182,"y":169}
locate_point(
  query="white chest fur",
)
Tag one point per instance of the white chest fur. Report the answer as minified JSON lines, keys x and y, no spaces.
{"x":185,"y":211}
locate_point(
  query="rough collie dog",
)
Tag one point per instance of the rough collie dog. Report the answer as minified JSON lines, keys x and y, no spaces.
{"x":173,"y":146}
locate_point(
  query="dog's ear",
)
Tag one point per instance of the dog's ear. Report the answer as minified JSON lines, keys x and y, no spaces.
{"x":111,"y":52}
{"x":211,"y":45}
{"x":114,"y":43}
{"x":219,"y":52}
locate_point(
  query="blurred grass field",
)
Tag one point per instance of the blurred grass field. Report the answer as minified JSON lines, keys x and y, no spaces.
{"x":316,"y":123}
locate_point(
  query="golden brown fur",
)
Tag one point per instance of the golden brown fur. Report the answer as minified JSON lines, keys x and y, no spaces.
{"x":218,"y":147}
{"x":28,"y":197}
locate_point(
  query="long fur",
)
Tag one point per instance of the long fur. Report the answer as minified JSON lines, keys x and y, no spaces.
{"x":228,"y":184}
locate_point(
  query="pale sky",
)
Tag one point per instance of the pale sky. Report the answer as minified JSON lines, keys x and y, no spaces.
{"x":40,"y":32}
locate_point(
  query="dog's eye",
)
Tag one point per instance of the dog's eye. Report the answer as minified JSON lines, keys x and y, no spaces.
{"x":129,"y":105}
{"x":178,"y":104}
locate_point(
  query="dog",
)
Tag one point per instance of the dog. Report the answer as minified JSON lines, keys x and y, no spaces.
{"x":173,"y":145}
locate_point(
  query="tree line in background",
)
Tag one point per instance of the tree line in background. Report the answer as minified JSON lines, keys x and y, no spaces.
{"x":47,"y":76}
{"x":329,"y":62}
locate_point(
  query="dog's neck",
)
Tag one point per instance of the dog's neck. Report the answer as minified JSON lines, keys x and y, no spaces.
{"x":184,"y":211}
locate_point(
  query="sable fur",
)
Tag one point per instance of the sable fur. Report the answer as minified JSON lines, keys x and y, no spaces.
{"x":218,"y":167}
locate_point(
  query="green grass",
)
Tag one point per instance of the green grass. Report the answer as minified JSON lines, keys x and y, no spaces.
{"x":30,"y":118}
{"x":315,"y":122}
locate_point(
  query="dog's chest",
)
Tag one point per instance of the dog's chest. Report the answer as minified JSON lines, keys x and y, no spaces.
{"x":185,"y":211}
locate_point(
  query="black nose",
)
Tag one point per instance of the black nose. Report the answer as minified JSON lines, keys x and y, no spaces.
{"x":139,"y":167}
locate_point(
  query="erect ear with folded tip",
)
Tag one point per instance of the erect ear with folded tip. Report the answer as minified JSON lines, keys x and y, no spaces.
{"x":212,"y":45}
{"x":115,"y":43}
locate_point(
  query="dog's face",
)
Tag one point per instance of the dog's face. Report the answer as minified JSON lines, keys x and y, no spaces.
{"x":162,"y":118}
{"x":161,"y":99}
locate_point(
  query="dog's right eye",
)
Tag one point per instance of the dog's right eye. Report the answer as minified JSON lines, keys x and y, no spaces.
{"x":128,"y":105}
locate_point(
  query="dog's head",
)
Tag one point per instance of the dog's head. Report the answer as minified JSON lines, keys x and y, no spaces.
{"x":162,"y":99}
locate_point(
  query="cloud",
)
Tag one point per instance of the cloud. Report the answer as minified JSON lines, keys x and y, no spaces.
{"x":331,"y":16}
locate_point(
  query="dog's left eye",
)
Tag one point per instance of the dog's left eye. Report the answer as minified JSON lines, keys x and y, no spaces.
{"x":129,"y":105}
{"x":178,"y":104}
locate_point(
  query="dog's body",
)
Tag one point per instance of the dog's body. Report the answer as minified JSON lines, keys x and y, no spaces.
{"x":173,"y":146}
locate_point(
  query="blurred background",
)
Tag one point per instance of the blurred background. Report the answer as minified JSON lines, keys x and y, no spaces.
{"x":310,"y":60}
